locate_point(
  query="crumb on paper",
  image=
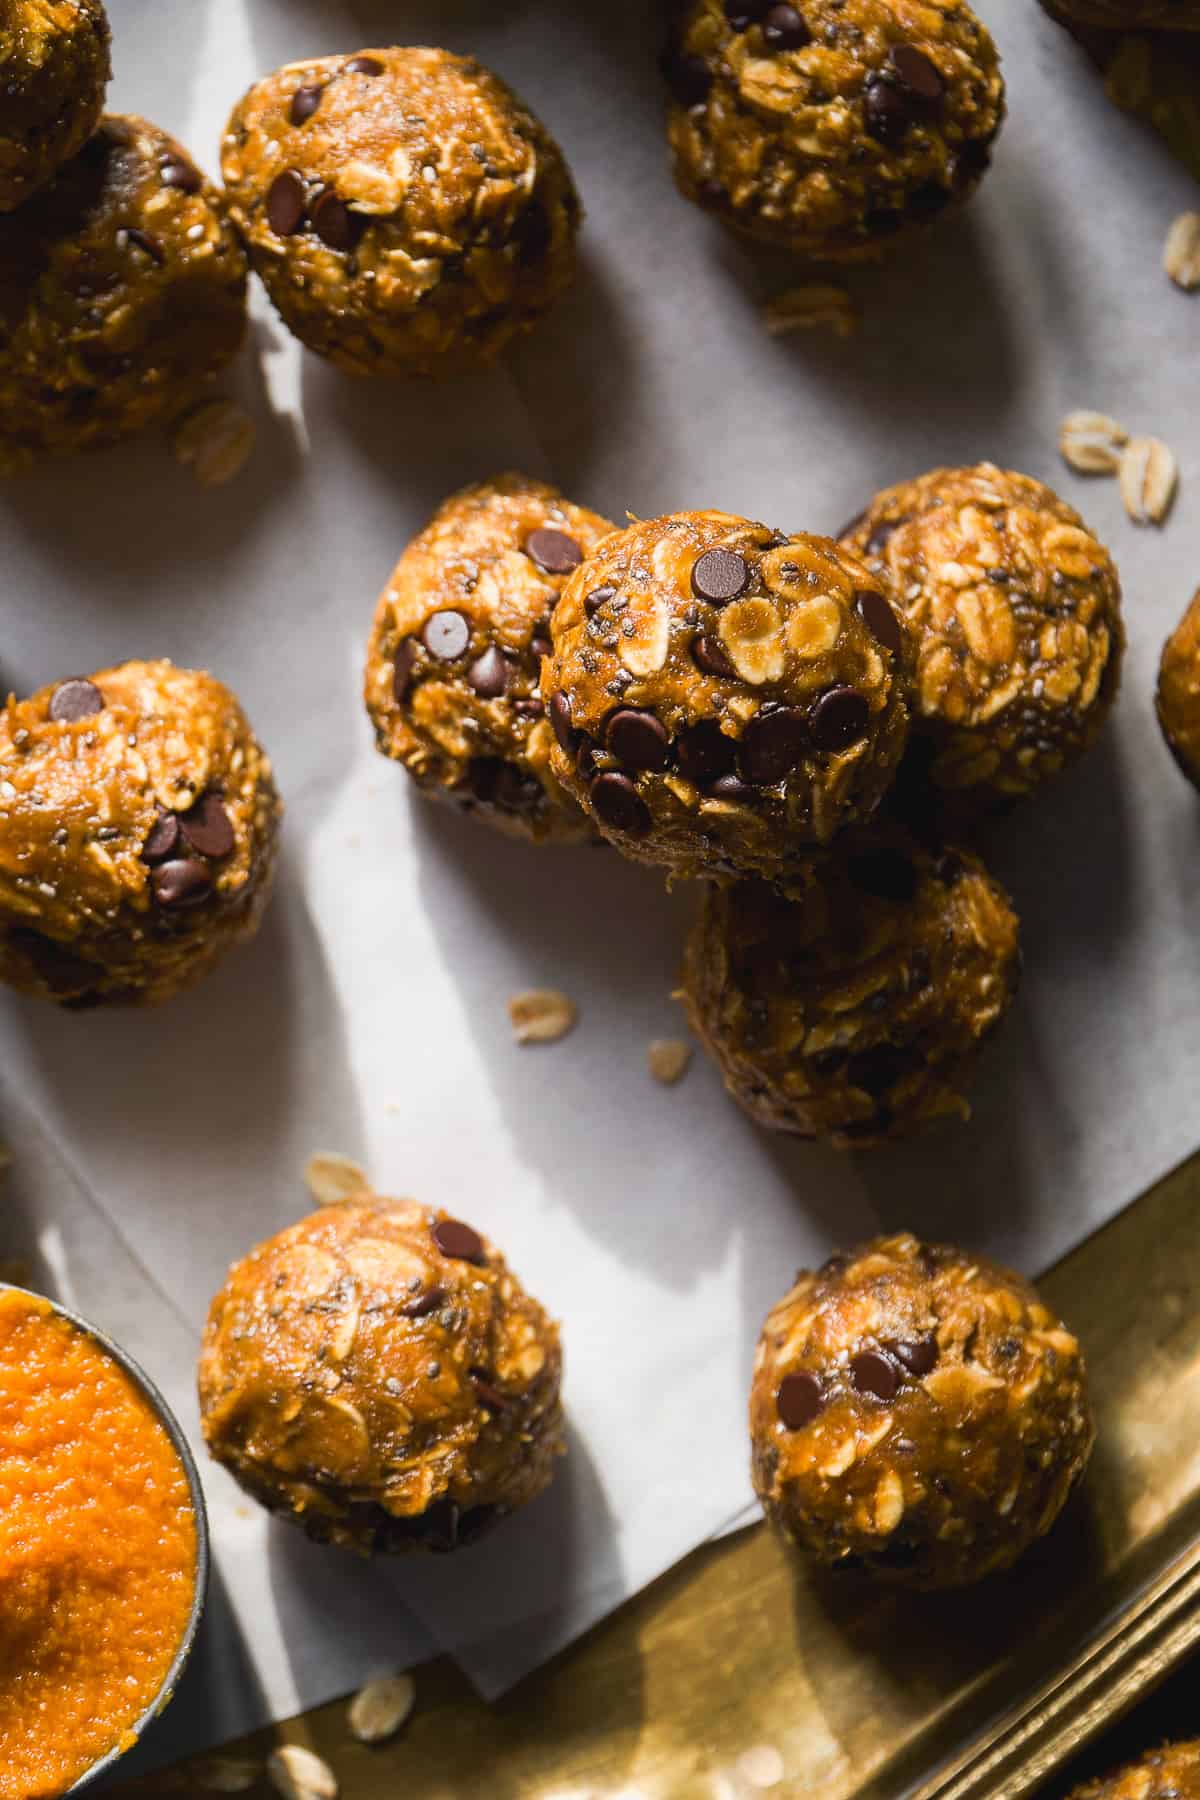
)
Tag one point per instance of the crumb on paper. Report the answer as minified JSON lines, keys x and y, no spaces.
{"x":668,"y":1059}
{"x":541,"y":1015}
{"x":382,"y":1708}
{"x":299,"y":1774}
{"x":806,"y":308}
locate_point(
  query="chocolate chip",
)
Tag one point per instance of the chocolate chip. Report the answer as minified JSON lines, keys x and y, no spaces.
{"x":162,"y":839}
{"x":335,"y":224}
{"x":496,"y":782}
{"x":886,"y":873}
{"x":688,"y":77}
{"x":553,"y":551}
{"x":729,"y":787}
{"x":305,"y":102}
{"x":528,"y":709}
{"x":874,"y":1373}
{"x":839,"y":718}
{"x":887,"y":113}
{"x":917,"y":1355}
{"x":490,"y":673}
{"x":585,"y":761}
{"x":704,"y":752}
{"x":177,"y":172}
{"x":287,"y":198}
{"x":617,"y":804}
{"x":184,"y":881}
{"x":533,"y":232}
{"x":878,"y":1069}
{"x":564,"y":730}
{"x":638,"y":739}
{"x":208,"y":827}
{"x":719,"y":576}
{"x":598,"y":598}
{"x":422,"y":1304}
{"x":488,"y":1393}
{"x":879,"y":619}
{"x":75,"y":699}
{"x":362,"y":65}
{"x":149,"y":246}
{"x":772,"y":745}
{"x":929,"y":199}
{"x":784,"y":29}
{"x":949,"y":868}
{"x":916,"y":75}
{"x":798,"y":1400}
{"x":403,"y":664}
{"x":881,"y":533}
{"x":708,"y":653}
{"x":541,"y":647}
{"x":456,"y":1240}
{"x":446,"y":635}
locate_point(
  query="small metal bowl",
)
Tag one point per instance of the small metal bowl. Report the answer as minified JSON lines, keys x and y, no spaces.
{"x":170,"y":1424}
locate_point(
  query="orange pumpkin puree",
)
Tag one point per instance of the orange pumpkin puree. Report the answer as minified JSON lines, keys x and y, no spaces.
{"x":97,"y":1552}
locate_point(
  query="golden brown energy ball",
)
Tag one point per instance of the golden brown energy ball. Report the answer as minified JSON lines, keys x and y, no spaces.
{"x":122,"y":293}
{"x":1016,"y":609}
{"x":723,"y":696}
{"x":406,"y":213}
{"x":138,"y":821}
{"x":456,"y":652}
{"x":1128,"y":15}
{"x":1169,"y":1773}
{"x":54,"y":69}
{"x":831,"y":127}
{"x":916,"y":1412}
{"x":856,"y":1010}
{"x":376,"y":1375}
{"x":1177,"y":701}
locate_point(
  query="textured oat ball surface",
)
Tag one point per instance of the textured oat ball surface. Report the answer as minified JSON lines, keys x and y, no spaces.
{"x":404,"y":209}
{"x":456,"y":649}
{"x":855,"y":1010}
{"x":378,"y":1376}
{"x":916,"y":1412}
{"x":138,"y":821}
{"x":1178,"y":698}
{"x":1016,"y":608}
{"x":1169,"y":1773}
{"x":724,"y":696}
{"x":122,"y":293}
{"x":54,"y":68}
{"x":831,"y":127}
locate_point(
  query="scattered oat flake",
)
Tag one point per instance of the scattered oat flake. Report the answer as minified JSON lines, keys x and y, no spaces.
{"x":299,"y":1774}
{"x":214,"y":441}
{"x":1091,"y":443}
{"x":381,"y":1708}
{"x":227,"y":1775}
{"x":1148,"y":478}
{"x":1181,"y":252}
{"x":331,"y":1177}
{"x":668,"y":1059}
{"x":803,"y":308}
{"x":541,"y":1015}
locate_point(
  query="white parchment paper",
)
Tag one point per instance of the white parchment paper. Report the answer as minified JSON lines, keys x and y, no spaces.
{"x":370,"y":1015}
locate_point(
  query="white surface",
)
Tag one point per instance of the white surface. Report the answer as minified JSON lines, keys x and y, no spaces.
{"x":370,"y":1015}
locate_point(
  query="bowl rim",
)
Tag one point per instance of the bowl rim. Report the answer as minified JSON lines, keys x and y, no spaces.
{"x":153,"y":1396}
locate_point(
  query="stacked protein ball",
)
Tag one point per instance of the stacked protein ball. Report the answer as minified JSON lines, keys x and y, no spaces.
{"x":791,"y":720}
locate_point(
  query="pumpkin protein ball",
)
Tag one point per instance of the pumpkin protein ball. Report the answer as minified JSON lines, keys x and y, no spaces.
{"x":54,"y":69}
{"x":377,"y":1375}
{"x":831,"y":127}
{"x":405,"y":211}
{"x":1170,"y":1772}
{"x":122,"y":293}
{"x":855,"y":1010}
{"x":1016,"y":609}
{"x":916,"y":1412}
{"x":723,"y":696}
{"x":1177,"y":701}
{"x":456,"y":648}
{"x":138,"y":822}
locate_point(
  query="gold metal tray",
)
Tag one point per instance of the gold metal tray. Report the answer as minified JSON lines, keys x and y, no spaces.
{"x":740,"y":1667}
